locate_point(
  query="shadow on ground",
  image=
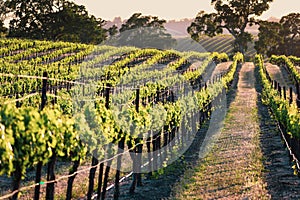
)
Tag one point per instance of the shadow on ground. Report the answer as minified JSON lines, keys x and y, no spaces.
{"x":278,"y":174}
{"x":161,"y":186}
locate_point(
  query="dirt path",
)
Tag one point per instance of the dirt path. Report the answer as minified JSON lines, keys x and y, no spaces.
{"x":215,"y":70}
{"x":221,"y":68}
{"x":248,"y":160}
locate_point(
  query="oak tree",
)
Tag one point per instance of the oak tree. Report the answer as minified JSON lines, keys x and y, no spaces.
{"x":3,"y":14}
{"x":54,"y":20}
{"x":144,"y":32}
{"x":281,"y":37}
{"x":232,"y":15}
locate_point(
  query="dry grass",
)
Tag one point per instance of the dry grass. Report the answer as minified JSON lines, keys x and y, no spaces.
{"x":233,"y":169}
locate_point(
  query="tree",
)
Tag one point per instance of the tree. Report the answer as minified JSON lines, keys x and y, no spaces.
{"x":144,"y":32}
{"x":73,"y":23}
{"x":3,"y":10}
{"x":290,"y":34}
{"x":137,"y":21}
{"x":54,"y":20}
{"x":29,"y":16}
{"x":232,"y":15}
{"x":281,"y":37}
{"x":269,"y":39}
{"x":3,"y":14}
{"x":3,"y":29}
{"x":112,"y":31}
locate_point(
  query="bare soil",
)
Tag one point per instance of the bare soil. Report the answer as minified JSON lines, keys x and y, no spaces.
{"x":281,"y":75}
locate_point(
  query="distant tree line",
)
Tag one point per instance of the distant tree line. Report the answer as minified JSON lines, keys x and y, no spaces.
{"x":66,"y":21}
{"x":63,"y":20}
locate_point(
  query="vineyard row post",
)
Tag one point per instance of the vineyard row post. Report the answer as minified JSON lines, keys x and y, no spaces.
{"x":107,"y":169}
{"x":40,"y":164}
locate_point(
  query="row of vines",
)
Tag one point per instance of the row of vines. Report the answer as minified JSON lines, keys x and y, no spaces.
{"x":284,"y":109}
{"x":81,"y":103}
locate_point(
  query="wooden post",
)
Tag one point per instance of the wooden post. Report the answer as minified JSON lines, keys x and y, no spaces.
{"x":91,"y":178}
{"x":16,"y":90}
{"x":106,"y":175}
{"x":284,"y":92}
{"x":136,"y":157}
{"x":173,"y":132}
{"x":121,"y":146}
{"x":297,"y":88}
{"x":55,"y":93}
{"x":155,"y":138}
{"x":100,"y":176}
{"x":165,"y":141}
{"x":291,"y":95}
{"x":298,"y":101}
{"x":17,"y":176}
{"x":44,"y":90}
{"x":158,"y":145}
{"x":50,"y":189}
{"x":148,"y":144}
{"x":155,"y":154}
{"x":298,"y":94}
{"x":107,"y":169}
{"x":71,"y":179}
{"x":39,"y":166}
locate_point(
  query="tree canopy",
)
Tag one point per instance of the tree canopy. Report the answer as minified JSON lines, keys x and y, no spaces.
{"x":281,"y":37}
{"x":3,"y":10}
{"x":3,"y":13}
{"x":72,"y":23}
{"x":144,"y":32}
{"x":54,"y":20}
{"x":232,"y":15}
{"x":3,"y":29}
{"x":66,"y":21}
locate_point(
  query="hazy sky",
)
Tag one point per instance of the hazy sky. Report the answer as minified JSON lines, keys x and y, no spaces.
{"x":172,"y":9}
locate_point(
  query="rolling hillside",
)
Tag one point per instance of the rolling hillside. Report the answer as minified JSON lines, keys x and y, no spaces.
{"x":222,"y":43}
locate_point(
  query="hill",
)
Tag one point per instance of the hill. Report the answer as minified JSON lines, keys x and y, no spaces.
{"x":178,"y":27}
{"x":221,"y":43}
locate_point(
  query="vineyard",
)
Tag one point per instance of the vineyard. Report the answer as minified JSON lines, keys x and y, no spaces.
{"x":220,"y":43}
{"x":103,"y":113}
{"x":64,"y":101}
{"x":282,"y":102}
